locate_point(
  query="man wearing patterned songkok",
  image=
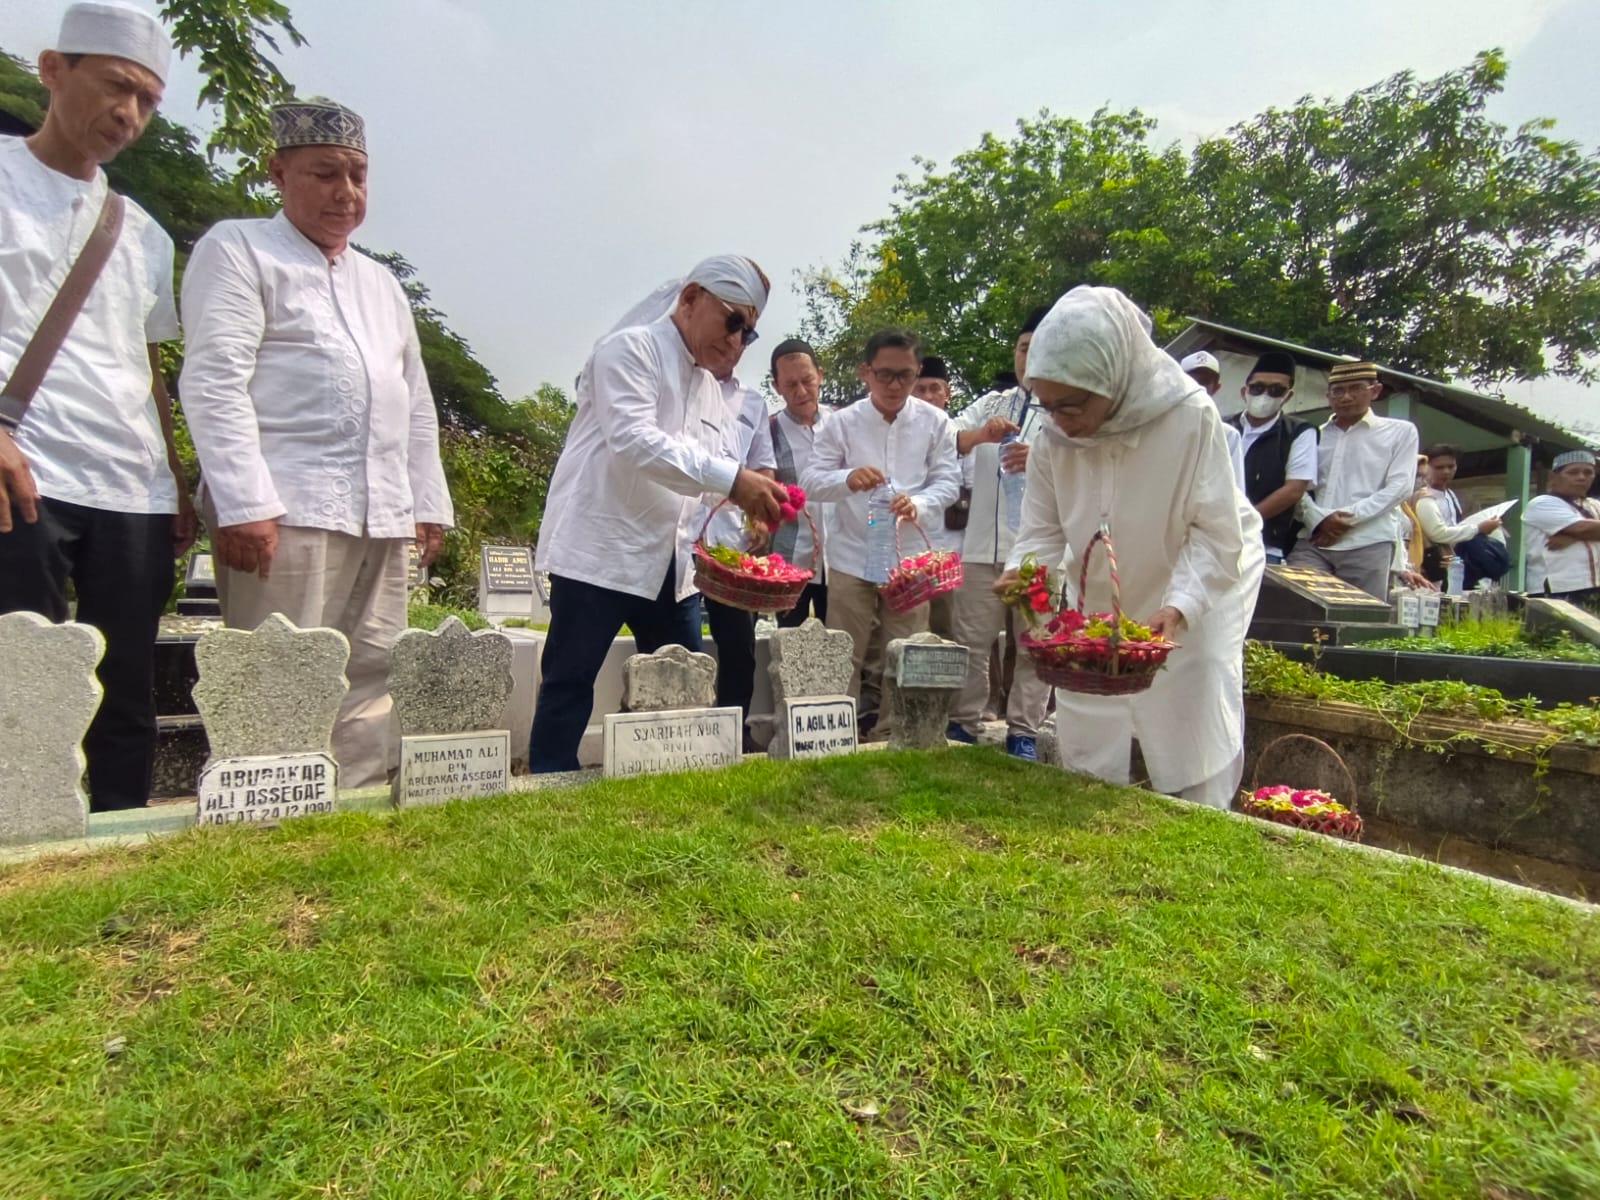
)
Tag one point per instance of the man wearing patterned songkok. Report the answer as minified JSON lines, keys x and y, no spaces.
{"x":645,"y":449}
{"x":1366,"y":468}
{"x":89,"y":478}
{"x":317,"y":434}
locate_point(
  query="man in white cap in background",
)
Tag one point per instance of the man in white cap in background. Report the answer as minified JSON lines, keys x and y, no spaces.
{"x":316,"y":429}
{"x":1202,"y":367}
{"x":89,"y":478}
{"x":644,"y":450}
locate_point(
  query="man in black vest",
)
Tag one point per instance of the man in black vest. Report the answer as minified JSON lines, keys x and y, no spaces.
{"x":1280,"y":452}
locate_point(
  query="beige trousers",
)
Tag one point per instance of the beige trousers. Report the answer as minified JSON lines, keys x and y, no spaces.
{"x":356,"y":585}
{"x":979,"y":619}
{"x":852,"y":606}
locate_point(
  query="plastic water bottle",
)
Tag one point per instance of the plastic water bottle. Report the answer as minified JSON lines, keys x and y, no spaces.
{"x":1455,"y":576}
{"x":1014,"y":483}
{"x":880,"y":534}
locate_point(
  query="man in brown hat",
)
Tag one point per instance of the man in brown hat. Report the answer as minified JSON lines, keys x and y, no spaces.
{"x":1366,"y":468}
{"x":316,"y":429}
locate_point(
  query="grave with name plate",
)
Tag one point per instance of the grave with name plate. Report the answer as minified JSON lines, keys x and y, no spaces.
{"x":923,"y":676}
{"x":48,"y":695}
{"x":450,"y":690}
{"x":508,"y":585}
{"x":669,"y":725}
{"x":199,"y":597}
{"x":1298,"y":602}
{"x":813,"y":714}
{"x":269,"y":698}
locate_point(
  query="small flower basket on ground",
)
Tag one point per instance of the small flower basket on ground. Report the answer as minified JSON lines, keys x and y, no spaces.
{"x":922,"y":577}
{"x":754,"y":582}
{"x":1303,"y":808}
{"x":1096,"y":654}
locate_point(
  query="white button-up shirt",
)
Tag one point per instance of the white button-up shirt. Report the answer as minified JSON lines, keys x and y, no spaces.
{"x":988,"y":537}
{"x":746,"y":437}
{"x":304,"y":389}
{"x":91,"y":435}
{"x":1302,"y":462}
{"x":793,"y":445}
{"x":638,"y":461}
{"x":1571,"y":568}
{"x":1366,"y":471}
{"x":917,"y":451}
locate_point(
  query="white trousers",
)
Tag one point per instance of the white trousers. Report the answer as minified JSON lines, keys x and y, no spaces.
{"x":357,"y":585}
{"x":1095,"y":736}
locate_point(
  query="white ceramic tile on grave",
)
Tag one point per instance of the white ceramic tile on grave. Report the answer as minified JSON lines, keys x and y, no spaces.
{"x":48,"y":698}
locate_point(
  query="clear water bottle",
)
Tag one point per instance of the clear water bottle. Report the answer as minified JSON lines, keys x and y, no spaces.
{"x":1455,"y":576}
{"x":880,"y":534}
{"x":1014,"y":484}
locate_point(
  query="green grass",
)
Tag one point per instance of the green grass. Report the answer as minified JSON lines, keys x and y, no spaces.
{"x":891,"y":975}
{"x":1495,"y":637}
{"x":431,"y":616}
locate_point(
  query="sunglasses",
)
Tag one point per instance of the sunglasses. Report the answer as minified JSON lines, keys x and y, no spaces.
{"x":889,"y":378}
{"x":1276,"y":390}
{"x":736,"y":322}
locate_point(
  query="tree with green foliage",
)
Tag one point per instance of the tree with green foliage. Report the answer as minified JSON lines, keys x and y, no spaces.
{"x":1400,"y":223}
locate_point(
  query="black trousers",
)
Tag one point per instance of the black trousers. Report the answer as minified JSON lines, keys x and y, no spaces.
{"x":120,"y":565}
{"x":814,"y":597}
{"x":734,"y":632}
{"x":584,"y":620}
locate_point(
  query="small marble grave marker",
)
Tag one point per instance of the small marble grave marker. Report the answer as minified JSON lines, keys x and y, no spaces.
{"x":923,"y":675}
{"x":49,"y":695}
{"x":810,"y":660}
{"x":1408,"y":609}
{"x":268,"y":788}
{"x":814,"y":727}
{"x":651,"y":742}
{"x":671,"y":678}
{"x":272,"y":690}
{"x":450,"y":680}
{"x":417,"y":574}
{"x":1430,"y":613}
{"x":452,"y":766}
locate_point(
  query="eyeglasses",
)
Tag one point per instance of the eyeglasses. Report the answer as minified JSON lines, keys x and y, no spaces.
{"x":736,"y":322}
{"x":888,"y":378}
{"x":1276,"y":390}
{"x":1338,"y":390}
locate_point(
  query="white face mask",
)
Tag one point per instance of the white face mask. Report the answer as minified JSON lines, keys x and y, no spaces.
{"x":1263,"y":406}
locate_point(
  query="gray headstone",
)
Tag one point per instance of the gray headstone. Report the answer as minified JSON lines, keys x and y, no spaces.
{"x":651,"y":742}
{"x":1542,"y":612}
{"x":272,"y":690}
{"x":669,"y":679}
{"x":451,"y":680}
{"x":919,"y":714}
{"x":813,"y":727}
{"x":49,"y":697}
{"x":811,"y":660}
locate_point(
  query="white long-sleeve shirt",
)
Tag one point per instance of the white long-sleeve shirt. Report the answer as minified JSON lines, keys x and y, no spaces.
{"x":643,"y":450}
{"x":303,"y":386}
{"x":917,"y":451}
{"x":1574,"y":567}
{"x":746,"y":437}
{"x":988,"y":536}
{"x":1366,"y":471}
{"x":1439,"y":514}
{"x":793,"y":444}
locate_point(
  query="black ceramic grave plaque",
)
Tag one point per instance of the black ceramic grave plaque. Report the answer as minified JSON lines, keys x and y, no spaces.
{"x":1305,"y":594}
{"x":508,"y":569}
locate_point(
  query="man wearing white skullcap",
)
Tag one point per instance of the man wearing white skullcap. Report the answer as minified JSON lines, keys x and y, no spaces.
{"x":89,"y":478}
{"x":1563,"y":531}
{"x":646,"y":447}
{"x":316,"y":429}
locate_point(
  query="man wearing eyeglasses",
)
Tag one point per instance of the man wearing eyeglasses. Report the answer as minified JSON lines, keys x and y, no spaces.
{"x":885,"y":441}
{"x":616,"y":537}
{"x":1280,"y":451}
{"x":1366,"y":467}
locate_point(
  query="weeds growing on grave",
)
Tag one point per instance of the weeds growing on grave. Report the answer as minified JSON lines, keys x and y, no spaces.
{"x":946,"y":975}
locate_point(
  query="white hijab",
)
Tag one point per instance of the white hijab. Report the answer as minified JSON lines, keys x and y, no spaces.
{"x":1097,"y":339}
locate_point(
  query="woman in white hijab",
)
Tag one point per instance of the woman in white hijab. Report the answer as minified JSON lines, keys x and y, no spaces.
{"x":1135,"y":445}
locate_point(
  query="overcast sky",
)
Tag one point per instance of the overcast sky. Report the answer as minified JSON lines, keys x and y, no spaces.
{"x":546,"y":164}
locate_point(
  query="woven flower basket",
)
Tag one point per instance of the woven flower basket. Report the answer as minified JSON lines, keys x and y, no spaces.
{"x":1097,"y":666}
{"x":1345,"y":825}
{"x":910,"y":584}
{"x":737,"y":589}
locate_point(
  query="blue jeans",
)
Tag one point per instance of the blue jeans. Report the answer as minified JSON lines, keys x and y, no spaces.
{"x":584,"y":621}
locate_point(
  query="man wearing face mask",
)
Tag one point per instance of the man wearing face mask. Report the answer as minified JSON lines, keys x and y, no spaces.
{"x":1280,"y":452}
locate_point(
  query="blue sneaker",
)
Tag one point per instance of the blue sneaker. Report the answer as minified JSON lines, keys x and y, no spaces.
{"x":1022,"y":745}
{"x":958,"y":733}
